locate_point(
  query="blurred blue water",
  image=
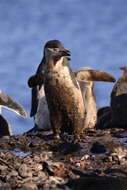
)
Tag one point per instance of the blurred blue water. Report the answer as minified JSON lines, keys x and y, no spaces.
{"x":94,"y":31}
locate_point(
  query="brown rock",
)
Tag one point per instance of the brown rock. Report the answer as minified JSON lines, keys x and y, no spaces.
{"x":95,"y":183}
{"x":5,"y":186}
{"x":29,"y":186}
{"x":23,"y":170}
{"x":98,"y":148}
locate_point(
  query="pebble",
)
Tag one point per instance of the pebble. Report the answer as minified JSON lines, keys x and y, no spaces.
{"x":23,"y":170}
{"x":29,"y":186}
{"x":14,"y":173}
{"x":98,"y":148}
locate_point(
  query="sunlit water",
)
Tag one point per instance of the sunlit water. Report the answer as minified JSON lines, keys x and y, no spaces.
{"x":94,"y":31}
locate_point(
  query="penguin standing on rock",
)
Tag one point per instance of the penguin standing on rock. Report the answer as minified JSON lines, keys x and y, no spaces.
{"x":11,"y":104}
{"x":39,"y":108}
{"x":63,"y":94}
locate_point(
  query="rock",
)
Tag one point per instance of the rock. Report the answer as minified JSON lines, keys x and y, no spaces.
{"x":3,"y":168}
{"x":98,"y":148}
{"x":14,"y":173}
{"x":95,"y":183}
{"x":102,"y":110}
{"x":42,"y":175}
{"x":5,"y":186}
{"x":23,"y":171}
{"x":38,"y":167}
{"x":29,"y":186}
{"x":104,"y":120}
{"x":48,"y":169}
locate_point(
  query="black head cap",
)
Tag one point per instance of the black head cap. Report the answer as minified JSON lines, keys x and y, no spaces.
{"x":54,"y":44}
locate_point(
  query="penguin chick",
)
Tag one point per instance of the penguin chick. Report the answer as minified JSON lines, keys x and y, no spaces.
{"x":39,"y":109}
{"x":63,"y":94}
{"x":86,"y":77}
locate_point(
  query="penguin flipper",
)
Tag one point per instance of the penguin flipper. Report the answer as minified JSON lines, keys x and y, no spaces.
{"x":88,"y":74}
{"x":11,"y":104}
{"x":35,"y":80}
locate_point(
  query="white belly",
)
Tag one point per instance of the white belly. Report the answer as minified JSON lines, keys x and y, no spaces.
{"x":42,"y":119}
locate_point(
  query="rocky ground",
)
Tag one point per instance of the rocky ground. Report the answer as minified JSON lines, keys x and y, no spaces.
{"x":37,"y":162}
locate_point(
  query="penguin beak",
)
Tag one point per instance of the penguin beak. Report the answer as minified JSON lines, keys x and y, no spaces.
{"x":65,"y":52}
{"x":11,"y":104}
{"x":56,"y":52}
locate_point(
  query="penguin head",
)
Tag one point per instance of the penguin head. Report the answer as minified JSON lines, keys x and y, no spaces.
{"x":54,"y":49}
{"x":124,"y":76}
{"x":123,"y":68}
{"x":54,"y":44}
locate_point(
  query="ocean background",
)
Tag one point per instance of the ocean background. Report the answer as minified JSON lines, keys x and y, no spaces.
{"x":94,"y":31}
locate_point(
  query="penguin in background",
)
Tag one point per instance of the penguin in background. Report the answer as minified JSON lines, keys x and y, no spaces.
{"x":63,"y":94}
{"x":86,"y":77}
{"x":115,"y":116}
{"x":10,"y":104}
{"x":119,"y":101}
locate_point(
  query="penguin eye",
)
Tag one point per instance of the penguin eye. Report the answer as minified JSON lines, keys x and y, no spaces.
{"x":56,"y":49}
